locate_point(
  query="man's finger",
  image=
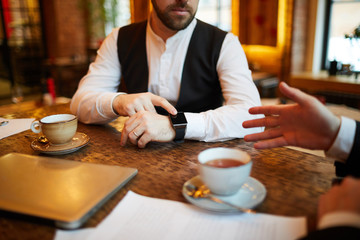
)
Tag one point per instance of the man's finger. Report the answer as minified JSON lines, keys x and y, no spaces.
{"x":131,"y":111}
{"x":272,"y":143}
{"x":162,"y":102}
{"x":150,"y":107}
{"x":129,"y":126}
{"x":123,"y":138}
{"x":145,"y":139}
{"x":293,"y":93}
{"x":270,"y":121}
{"x":266,"y":110}
{"x":268,"y":134}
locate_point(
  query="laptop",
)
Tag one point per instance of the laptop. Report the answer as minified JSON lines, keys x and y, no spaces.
{"x":64,"y":191}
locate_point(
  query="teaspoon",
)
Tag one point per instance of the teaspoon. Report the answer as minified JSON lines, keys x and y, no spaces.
{"x":3,"y":123}
{"x":203,"y":192}
{"x":41,"y":139}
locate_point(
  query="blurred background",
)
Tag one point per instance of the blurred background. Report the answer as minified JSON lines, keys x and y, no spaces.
{"x":46,"y":45}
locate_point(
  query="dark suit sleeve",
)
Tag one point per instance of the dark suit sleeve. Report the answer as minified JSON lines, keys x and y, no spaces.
{"x":348,"y":233}
{"x":352,"y":165}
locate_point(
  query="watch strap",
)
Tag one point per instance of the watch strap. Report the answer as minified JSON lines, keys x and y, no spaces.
{"x":179,"y":124}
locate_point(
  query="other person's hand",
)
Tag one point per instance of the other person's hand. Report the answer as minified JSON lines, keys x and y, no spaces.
{"x":307,"y":123}
{"x":129,"y":104}
{"x":144,"y":127}
{"x":344,"y":197}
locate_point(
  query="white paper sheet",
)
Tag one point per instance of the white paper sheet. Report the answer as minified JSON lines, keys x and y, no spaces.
{"x":139,"y":217}
{"x":14,"y":126}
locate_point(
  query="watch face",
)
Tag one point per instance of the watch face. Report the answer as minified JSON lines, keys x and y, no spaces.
{"x":178,"y":119}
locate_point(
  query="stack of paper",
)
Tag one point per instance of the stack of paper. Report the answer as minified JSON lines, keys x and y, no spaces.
{"x":14,"y":126}
{"x":139,"y":217}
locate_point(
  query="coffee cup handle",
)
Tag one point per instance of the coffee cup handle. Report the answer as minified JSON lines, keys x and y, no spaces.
{"x":35,"y":126}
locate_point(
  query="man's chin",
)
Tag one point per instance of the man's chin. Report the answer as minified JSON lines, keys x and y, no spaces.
{"x":179,"y":23}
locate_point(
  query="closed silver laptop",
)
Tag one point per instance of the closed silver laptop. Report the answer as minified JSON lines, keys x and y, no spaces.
{"x":67,"y":192}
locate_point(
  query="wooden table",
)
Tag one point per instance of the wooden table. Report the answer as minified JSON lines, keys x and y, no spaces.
{"x":321,"y":82}
{"x":294,"y":180}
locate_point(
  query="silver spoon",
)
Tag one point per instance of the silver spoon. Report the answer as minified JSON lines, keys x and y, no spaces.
{"x":3,"y":123}
{"x":204,"y":192}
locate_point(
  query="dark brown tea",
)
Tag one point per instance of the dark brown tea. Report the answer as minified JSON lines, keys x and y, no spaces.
{"x":224,"y":163}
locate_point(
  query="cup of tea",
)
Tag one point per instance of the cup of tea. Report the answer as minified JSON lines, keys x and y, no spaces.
{"x":224,"y":170}
{"x":58,"y":128}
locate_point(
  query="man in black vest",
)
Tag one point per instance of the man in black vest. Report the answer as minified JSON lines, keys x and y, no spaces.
{"x":179,"y":78}
{"x":309,"y":124}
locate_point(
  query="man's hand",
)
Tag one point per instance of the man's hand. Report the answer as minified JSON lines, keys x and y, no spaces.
{"x":307,"y":123}
{"x":129,"y":104}
{"x":344,"y":197}
{"x":144,"y":127}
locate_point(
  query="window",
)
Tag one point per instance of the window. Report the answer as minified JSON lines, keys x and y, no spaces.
{"x":343,"y":18}
{"x":118,"y":12}
{"x":21,"y":41}
{"x":215,"y":12}
{"x":22,"y":22}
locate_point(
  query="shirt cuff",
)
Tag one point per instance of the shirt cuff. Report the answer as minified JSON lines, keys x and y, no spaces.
{"x":195,"y":129}
{"x":112,"y":101}
{"x":344,"y":141}
{"x":340,"y":218}
{"x":105,"y":107}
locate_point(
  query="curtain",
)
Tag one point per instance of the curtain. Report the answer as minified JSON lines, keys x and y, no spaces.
{"x":258,"y":22}
{"x":139,"y":10}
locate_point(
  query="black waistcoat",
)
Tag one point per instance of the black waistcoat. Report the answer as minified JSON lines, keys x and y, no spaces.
{"x":200,"y":87}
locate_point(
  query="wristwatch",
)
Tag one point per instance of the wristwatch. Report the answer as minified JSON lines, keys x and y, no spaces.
{"x":179,"y":124}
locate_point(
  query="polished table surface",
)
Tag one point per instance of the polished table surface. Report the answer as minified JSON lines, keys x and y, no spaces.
{"x":322,"y":82}
{"x":294,"y":180}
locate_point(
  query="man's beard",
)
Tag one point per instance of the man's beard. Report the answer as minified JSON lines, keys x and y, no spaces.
{"x":175,"y":23}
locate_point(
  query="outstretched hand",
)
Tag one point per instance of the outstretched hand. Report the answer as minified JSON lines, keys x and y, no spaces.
{"x":307,"y":123}
{"x":129,"y":104}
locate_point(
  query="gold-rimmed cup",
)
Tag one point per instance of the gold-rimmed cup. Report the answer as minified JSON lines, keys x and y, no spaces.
{"x":58,"y":128}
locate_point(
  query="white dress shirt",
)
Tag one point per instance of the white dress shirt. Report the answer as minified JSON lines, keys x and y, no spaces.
{"x":339,"y":218}
{"x":92,"y":102}
{"x":344,"y":141}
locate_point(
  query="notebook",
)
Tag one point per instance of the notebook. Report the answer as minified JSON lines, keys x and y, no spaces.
{"x":64,"y":191}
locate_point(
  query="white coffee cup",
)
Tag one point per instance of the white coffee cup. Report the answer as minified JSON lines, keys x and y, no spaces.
{"x":58,"y":129}
{"x":224,"y":170}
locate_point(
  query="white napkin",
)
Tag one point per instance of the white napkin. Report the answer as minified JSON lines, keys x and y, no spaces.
{"x":14,"y":126}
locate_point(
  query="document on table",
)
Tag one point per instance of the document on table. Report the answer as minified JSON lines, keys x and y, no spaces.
{"x":14,"y":126}
{"x":140,"y":217}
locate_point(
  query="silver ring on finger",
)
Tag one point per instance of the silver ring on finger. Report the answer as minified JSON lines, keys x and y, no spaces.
{"x":135,"y":134}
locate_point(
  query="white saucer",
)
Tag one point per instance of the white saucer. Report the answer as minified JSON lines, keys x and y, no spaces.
{"x":78,"y":141}
{"x":251,"y":194}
